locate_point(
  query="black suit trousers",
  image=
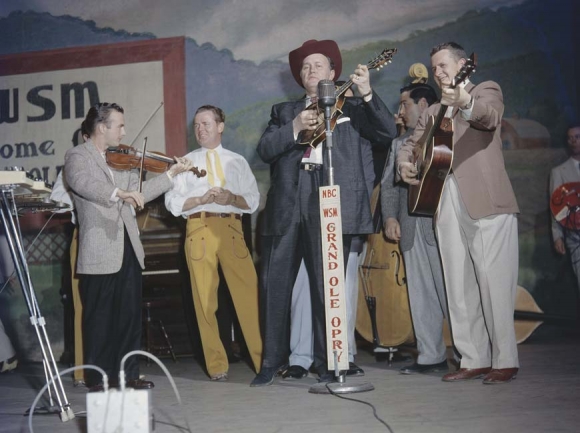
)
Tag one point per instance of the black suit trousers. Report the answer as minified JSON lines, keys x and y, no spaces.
{"x":281,"y":257}
{"x":112,"y":318}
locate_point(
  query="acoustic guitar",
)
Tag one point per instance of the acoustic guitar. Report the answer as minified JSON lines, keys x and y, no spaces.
{"x":434,"y":154}
{"x":314,"y":137}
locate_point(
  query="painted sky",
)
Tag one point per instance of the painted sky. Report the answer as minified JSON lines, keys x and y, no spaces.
{"x":231,"y":24}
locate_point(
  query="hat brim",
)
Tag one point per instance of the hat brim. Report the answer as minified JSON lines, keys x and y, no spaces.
{"x":327,"y":48}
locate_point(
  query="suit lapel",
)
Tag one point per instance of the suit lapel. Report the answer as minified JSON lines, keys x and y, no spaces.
{"x":299,"y":106}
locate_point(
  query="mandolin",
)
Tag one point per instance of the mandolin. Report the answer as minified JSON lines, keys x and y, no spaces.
{"x":314,"y":137}
{"x":434,"y":154}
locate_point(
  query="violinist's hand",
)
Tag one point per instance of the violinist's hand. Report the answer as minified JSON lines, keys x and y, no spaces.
{"x":181,"y":165}
{"x":408,"y":173}
{"x":361,"y":78}
{"x":225,"y":197}
{"x":393,"y":229}
{"x":306,"y":119}
{"x":457,"y":97}
{"x":134,"y":198}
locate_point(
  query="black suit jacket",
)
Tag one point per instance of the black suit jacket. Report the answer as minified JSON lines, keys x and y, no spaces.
{"x":371,"y":121}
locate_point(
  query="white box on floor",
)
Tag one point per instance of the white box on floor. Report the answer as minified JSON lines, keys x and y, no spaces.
{"x":114,"y":411}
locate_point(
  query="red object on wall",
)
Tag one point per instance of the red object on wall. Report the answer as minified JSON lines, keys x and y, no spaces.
{"x":565,"y":205}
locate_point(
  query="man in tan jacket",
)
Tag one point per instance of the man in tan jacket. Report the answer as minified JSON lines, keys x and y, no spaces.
{"x":476,"y":224}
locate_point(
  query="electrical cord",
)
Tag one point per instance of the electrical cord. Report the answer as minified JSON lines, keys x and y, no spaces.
{"x":169,"y":377}
{"x":51,"y":381}
{"x":363,"y":402}
{"x":122,"y":390}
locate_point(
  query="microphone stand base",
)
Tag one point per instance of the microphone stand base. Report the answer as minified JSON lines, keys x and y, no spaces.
{"x":340,"y":388}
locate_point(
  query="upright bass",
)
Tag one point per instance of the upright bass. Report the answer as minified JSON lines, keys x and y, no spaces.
{"x":383,"y":314}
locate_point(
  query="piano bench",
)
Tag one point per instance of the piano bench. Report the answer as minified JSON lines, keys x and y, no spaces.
{"x":165,"y":349}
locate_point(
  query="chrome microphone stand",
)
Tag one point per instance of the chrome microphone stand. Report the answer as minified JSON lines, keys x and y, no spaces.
{"x":9,"y":216}
{"x":327,"y":99}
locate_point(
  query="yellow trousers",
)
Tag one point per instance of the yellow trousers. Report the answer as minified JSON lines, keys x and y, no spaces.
{"x":211,"y":241}
{"x":77,"y":305}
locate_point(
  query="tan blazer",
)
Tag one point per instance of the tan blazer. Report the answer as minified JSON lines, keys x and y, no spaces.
{"x":100,"y":220}
{"x":478,"y":163}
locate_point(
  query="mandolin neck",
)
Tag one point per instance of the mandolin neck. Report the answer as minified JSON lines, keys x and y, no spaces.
{"x":342,"y":89}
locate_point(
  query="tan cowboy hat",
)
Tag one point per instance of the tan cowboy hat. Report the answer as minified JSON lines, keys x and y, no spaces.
{"x":327,"y":48}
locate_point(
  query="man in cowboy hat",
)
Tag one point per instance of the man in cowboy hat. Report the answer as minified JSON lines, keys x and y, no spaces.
{"x":291,"y":228}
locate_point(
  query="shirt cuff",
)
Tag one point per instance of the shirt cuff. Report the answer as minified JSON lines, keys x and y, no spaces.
{"x":368,"y":96}
{"x":114,"y":197}
{"x":466,"y":113}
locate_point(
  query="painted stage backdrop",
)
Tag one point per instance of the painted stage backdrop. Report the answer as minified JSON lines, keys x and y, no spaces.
{"x":235,"y":56}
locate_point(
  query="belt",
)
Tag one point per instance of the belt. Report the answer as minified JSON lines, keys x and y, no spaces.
{"x":215,"y":215}
{"x":310,"y":167}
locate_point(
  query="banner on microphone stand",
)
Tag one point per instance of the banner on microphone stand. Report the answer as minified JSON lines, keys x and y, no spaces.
{"x":333,"y":263}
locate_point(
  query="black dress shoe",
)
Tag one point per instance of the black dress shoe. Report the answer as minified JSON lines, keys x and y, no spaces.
{"x":326,"y":377}
{"x":140,"y":384}
{"x":265,"y":377}
{"x":97,"y":388}
{"x":354,"y":370}
{"x":234,"y":358}
{"x":417,"y":368}
{"x":294,"y":372}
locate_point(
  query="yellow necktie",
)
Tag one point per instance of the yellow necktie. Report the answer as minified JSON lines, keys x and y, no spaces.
{"x":218,"y":176}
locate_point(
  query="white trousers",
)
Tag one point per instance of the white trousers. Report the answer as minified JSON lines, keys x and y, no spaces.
{"x":480,"y":266}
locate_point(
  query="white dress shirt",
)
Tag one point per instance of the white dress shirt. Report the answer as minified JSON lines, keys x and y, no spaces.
{"x":239,"y":180}
{"x":61,"y":193}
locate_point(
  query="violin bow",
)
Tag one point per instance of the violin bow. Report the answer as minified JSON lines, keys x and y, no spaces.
{"x":142,"y":164}
{"x":146,"y":123}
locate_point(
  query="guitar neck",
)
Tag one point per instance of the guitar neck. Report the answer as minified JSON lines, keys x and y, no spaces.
{"x":440,"y":115}
{"x":436,"y":123}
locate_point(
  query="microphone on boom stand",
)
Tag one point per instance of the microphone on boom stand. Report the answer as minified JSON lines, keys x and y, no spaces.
{"x":327,"y":99}
{"x":333,"y":272}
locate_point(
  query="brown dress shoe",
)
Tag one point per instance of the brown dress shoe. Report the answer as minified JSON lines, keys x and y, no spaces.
{"x":465,"y":374}
{"x":500,"y":375}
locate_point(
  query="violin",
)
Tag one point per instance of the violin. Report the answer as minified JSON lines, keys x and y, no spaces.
{"x":123,"y":157}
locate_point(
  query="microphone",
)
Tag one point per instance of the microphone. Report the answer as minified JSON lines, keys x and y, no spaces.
{"x":326,"y":97}
{"x":326,"y":93}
